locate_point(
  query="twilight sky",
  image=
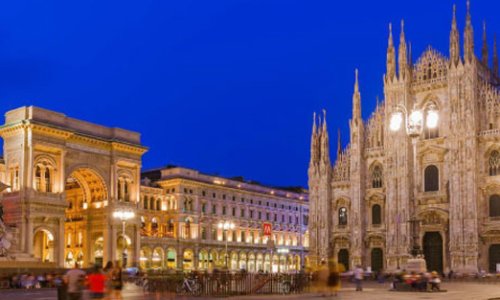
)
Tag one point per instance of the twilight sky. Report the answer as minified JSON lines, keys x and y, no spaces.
{"x":226,"y":87}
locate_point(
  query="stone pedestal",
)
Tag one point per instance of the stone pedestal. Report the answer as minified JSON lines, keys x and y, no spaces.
{"x":416,"y":265}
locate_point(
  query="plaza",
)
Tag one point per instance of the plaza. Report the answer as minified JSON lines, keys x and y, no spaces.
{"x":455,"y":291}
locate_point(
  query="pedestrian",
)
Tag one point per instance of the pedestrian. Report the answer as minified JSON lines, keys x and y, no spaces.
{"x":116,"y":281}
{"x":333,"y":278}
{"x":358,"y":278}
{"x":74,"y":280}
{"x":108,"y":273}
{"x":96,"y":283}
{"x":322,"y":277}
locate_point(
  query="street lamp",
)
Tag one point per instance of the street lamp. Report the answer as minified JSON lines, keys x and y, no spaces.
{"x":226,"y":226}
{"x":124,"y":216}
{"x":414,"y":124}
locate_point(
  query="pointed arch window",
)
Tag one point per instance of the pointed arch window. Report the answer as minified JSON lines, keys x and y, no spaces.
{"x":376,"y":214}
{"x":377,"y":177}
{"x":38,"y":178}
{"x":342,"y":216}
{"x":494,"y":206}
{"x":431,"y":178}
{"x":494,"y":163}
{"x":431,"y":130}
{"x":48,"y":181}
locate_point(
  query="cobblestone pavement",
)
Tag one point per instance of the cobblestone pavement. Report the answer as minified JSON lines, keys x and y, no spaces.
{"x":372,"y":291}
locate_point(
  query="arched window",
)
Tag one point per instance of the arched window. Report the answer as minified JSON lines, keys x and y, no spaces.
{"x":431,"y":128}
{"x":120,"y":184}
{"x":152,"y":203}
{"x":126,"y":189}
{"x":376,"y":214}
{"x":158,"y":204}
{"x":494,"y":206}
{"x":145,"y":202}
{"x":377,"y":177}
{"x":154,"y":225}
{"x":494,"y":163}
{"x":431,"y":178}
{"x":48,"y":182}
{"x":343,"y":216}
{"x":38,"y":179}
{"x":170,"y":225}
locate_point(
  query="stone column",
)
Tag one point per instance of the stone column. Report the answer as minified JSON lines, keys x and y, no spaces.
{"x":136,"y":246}
{"x":60,"y":244}
{"x":29,"y":236}
{"x":195,"y":258}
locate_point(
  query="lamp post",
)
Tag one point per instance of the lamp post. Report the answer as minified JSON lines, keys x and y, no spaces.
{"x":414,"y":125}
{"x":226,"y":226}
{"x":124,"y":216}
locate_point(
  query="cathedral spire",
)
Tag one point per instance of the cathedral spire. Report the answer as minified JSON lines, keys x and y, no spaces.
{"x":314,"y":142}
{"x":454,"y":40}
{"x":468,"y":37}
{"x":484,"y":50}
{"x":403,"y":54}
{"x":339,"y":144}
{"x":391,"y":56}
{"x":356,"y":99}
{"x":495,"y":56}
{"x":325,"y":143}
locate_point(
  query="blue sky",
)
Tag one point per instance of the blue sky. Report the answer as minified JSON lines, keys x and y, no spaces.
{"x":227,"y":87}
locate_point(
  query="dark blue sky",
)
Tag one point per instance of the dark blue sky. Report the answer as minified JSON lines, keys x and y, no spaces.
{"x":226,"y":87}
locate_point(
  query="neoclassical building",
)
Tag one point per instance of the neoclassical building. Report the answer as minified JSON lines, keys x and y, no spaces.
{"x":68,"y":177}
{"x":180,"y":212}
{"x":437,"y":186}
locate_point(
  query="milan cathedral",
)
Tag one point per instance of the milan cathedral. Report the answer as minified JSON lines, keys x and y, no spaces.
{"x":440,"y":190}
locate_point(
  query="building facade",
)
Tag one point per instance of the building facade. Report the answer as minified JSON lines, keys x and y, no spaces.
{"x":67,"y":178}
{"x":181,"y":210}
{"x":384,"y":194}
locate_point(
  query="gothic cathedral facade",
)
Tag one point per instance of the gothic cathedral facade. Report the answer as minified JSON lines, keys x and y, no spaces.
{"x":388,"y":191}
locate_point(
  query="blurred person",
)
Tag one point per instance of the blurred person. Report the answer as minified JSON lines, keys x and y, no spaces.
{"x":116,"y":281}
{"x":358,"y":278}
{"x":74,"y":280}
{"x":322,"y":278}
{"x":96,"y":282}
{"x":435,"y":281}
{"x":108,"y":273}
{"x":334,"y":277}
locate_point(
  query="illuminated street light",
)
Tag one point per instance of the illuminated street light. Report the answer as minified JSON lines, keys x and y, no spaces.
{"x":226,"y":226}
{"x":414,"y":124}
{"x":124,"y":216}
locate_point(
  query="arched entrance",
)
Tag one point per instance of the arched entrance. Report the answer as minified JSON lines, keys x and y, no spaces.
{"x":43,"y":245}
{"x":157,"y":258}
{"x":494,"y":257}
{"x":123,"y":249}
{"x":85,"y":190}
{"x":343,"y":258}
{"x":433,"y":251}
{"x":98,"y":251}
{"x":171,"y":258}
{"x":377,"y":259}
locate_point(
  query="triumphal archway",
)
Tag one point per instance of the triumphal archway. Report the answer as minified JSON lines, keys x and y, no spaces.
{"x":66,"y":177}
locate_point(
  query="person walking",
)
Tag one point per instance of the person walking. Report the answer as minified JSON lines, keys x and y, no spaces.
{"x":96,"y":282}
{"x":74,"y":280}
{"x":116,"y":281}
{"x":358,"y":278}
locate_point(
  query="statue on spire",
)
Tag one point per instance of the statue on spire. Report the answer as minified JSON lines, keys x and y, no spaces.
{"x":454,"y":40}
{"x":403,"y":55}
{"x":495,"y":56}
{"x":468,"y":37}
{"x":391,"y":56}
{"x":484,"y":50}
{"x":356,"y":99}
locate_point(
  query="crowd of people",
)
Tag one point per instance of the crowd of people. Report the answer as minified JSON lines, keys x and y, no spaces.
{"x":101,"y":283}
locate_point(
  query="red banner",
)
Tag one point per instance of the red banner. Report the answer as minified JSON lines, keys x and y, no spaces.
{"x":267,"y":228}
